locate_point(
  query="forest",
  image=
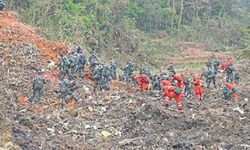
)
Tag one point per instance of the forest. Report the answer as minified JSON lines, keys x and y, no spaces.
{"x":129,"y":25}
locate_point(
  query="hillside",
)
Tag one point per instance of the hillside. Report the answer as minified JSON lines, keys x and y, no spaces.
{"x":141,"y":29}
{"x":134,"y":120}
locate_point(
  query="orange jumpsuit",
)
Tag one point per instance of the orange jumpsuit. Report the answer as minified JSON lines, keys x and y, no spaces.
{"x":197,"y":89}
{"x":230,"y":87}
{"x":170,"y":94}
{"x":180,"y":83}
{"x":143,"y":81}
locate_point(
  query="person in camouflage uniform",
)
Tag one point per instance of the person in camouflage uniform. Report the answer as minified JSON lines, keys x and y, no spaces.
{"x":73,"y":60}
{"x":128,"y":71}
{"x":211,"y":77}
{"x":97,"y":77}
{"x":2,"y":5}
{"x":187,"y":84}
{"x":216,"y":65}
{"x":106,"y":76}
{"x":145,"y":71}
{"x":237,"y":78}
{"x":209,"y":63}
{"x":63,"y":66}
{"x":171,"y":69}
{"x":66,"y":90}
{"x":37,"y":89}
{"x":80,"y":65}
{"x":131,"y":68}
{"x":113,"y":67}
{"x":155,"y":82}
{"x":229,"y":72}
{"x":92,"y":58}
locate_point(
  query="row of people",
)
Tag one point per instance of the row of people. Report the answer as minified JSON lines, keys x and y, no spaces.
{"x":173,"y":85}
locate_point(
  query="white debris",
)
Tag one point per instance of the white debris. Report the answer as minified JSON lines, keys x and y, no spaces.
{"x":241,"y":111}
{"x":87,"y":126}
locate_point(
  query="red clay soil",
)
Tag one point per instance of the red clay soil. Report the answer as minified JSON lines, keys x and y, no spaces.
{"x":13,"y":31}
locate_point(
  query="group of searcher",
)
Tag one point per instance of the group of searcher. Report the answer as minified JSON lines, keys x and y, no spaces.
{"x":171,"y":85}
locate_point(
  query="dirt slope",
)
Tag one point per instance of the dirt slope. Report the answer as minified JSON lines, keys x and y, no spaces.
{"x":13,"y":31}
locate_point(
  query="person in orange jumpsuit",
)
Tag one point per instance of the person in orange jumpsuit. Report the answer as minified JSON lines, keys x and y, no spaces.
{"x":164,"y":86}
{"x":143,"y":81}
{"x":170,"y":93}
{"x":229,"y":92}
{"x":180,"y":83}
{"x":198,"y":92}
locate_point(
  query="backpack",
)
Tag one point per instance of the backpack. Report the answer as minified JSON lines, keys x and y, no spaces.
{"x":177,"y":90}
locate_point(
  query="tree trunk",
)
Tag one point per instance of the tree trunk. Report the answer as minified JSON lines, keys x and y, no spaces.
{"x":173,"y":15}
{"x":181,"y":12}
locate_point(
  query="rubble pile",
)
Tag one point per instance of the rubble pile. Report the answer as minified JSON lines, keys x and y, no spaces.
{"x":119,"y":120}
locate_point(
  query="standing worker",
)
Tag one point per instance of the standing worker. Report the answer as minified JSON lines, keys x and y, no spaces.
{"x":37,"y":89}
{"x":197,"y":89}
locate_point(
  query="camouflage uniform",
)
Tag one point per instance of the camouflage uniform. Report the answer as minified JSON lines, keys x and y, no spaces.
{"x":145,"y":71}
{"x":37,"y":89}
{"x":216,"y":65}
{"x":92,"y":58}
{"x":133,"y":82}
{"x":2,"y":5}
{"x":67,"y":88}
{"x":165,"y":77}
{"x":64,"y":67}
{"x":121,"y":78}
{"x":113,"y":67}
{"x":171,"y":69}
{"x":237,"y":78}
{"x":92,"y":62}
{"x":211,"y":75}
{"x":80,"y":65}
{"x":209,"y":63}
{"x":156,"y":82}
{"x":131,"y":68}
{"x":106,"y":76}
{"x":73,"y":60}
{"x":227,"y":93}
{"x":128,"y":71}
{"x":97,"y":76}
{"x":229,"y":71}
{"x":187,"y":84}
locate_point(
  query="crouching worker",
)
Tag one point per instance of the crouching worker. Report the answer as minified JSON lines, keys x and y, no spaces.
{"x":143,"y":81}
{"x":67,"y":89}
{"x":229,"y":92}
{"x":172,"y":92}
